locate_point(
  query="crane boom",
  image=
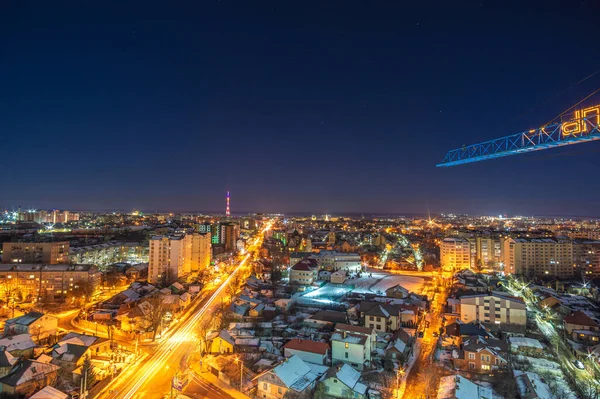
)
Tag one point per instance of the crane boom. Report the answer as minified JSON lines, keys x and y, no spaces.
{"x":585,"y":126}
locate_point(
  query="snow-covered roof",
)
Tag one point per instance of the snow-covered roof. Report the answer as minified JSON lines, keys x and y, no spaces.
{"x":298,"y":374}
{"x":459,"y":387}
{"x":525,"y":342}
{"x":350,"y":378}
{"x":49,"y":392}
{"x":528,"y":381}
{"x":17,"y":342}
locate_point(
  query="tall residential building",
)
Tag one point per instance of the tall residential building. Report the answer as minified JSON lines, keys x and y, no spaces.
{"x":36,"y":252}
{"x":201,"y":251}
{"x":230,"y":232}
{"x":455,"y":254}
{"x":538,"y":257}
{"x":49,"y":282}
{"x":485,"y":252}
{"x":212,"y":229}
{"x":172,"y":257}
{"x":586,"y":254}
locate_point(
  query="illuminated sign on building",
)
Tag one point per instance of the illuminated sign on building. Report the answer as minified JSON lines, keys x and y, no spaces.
{"x":583,"y":120}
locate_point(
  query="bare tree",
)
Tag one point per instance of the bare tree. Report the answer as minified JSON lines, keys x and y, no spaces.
{"x":234,"y":285}
{"x":203,"y":329}
{"x":154,"y":314}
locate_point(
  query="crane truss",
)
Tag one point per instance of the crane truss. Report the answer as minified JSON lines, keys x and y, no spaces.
{"x":585,"y":126}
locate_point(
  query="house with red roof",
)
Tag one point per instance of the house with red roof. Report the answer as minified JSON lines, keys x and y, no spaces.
{"x":307,"y":350}
{"x":583,"y":327}
{"x":304,"y":272}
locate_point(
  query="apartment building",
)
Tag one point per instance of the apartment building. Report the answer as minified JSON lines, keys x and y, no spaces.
{"x":586,"y":254}
{"x":486,"y":252}
{"x":52,"y":253}
{"x":455,"y":254}
{"x":175,"y":256}
{"x":108,"y":253}
{"x":49,"y":282}
{"x":493,"y":309}
{"x":536,"y":257}
{"x":230,"y":232}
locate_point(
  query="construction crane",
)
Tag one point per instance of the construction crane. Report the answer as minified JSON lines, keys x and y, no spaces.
{"x":583,"y":127}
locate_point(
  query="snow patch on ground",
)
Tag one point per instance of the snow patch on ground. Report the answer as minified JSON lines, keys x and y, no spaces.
{"x":381,"y":281}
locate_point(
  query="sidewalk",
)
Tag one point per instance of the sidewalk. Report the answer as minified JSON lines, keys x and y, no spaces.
{"x":205,"y":375}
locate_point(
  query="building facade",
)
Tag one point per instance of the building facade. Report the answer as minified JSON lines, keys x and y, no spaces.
{"x":52,"y":253}
{"x":537,"y":257}
{"x":493,"y":309}
{"x":455,"y":254}
{"x":49,"y":282}
{"x":175,"y":256}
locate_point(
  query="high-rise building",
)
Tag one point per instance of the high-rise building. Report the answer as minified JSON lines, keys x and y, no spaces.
{"x":172,"y":257}
{"x":586,"y":255}
{"x":201,"y":251}
{"x":212,"y":229}
{"x":486,"y":252}
{"x":538,"y":257}
{"x":230,"y":232}
{"x":455,"y":254}
{"x":51,"y":253}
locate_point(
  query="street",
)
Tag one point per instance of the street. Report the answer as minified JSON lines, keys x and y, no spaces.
{"x":153,"y":377}
{"x":423,"y":379}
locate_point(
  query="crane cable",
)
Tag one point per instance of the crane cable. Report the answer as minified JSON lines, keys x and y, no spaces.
{"x":560,"y":93}
{"x":573,"y":106}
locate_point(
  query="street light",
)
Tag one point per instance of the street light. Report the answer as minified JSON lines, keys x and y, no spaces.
{"x":398,"y":374}
{"x":237,"y":359}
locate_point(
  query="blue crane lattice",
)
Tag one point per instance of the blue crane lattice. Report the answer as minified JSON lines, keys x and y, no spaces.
{"x":584,"y":127}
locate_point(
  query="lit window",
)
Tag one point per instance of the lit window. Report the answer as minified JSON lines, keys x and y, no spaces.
{"x":346,"y":345}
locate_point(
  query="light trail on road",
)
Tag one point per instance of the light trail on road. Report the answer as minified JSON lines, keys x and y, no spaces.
{"x":185,"y":333}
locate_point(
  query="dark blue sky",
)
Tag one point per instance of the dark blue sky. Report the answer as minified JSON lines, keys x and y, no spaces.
{"x":324,"y":106}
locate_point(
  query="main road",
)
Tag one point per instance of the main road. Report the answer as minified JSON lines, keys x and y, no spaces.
{"x":424,"y":377}
{"x":153,"y":376}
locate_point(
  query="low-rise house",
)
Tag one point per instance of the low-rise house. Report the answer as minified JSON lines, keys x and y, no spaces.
{"x":7,"y":361}
{"x":397,"y":291}
{"x":20,"y":345}
{"x":399,"y":347}
{"x":338,"y":277}
{"x":481,"y":355}
{"x":382,"y":317}
{"x":36,"y":324}
{"x":246,"y":345}
{"x":460,"y":329}
{"x":257,"y":311}
{"x":136,"y":316}
{"x":70,"y":352}
{"x":350,"y":348}
{"x":28,"y":376}
{"x":525,"y":345}
{"x":532,"y":386}
{"x":326,"y":319}
{"x":293,"y":374}
{"x":307,"y":350}
{"x":221,"y":342}
{"x":342,"y":381}
{"x":50,"y":393}
{"x":583,"y":327}
{"x":304,"y":272}
{"x":459,"y":387}
{"x":359,"y":330}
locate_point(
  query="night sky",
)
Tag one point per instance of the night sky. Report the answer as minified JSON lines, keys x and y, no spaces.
{"x":314,"y":106}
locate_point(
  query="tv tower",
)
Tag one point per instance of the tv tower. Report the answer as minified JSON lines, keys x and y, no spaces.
{"x":227,"y":210}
